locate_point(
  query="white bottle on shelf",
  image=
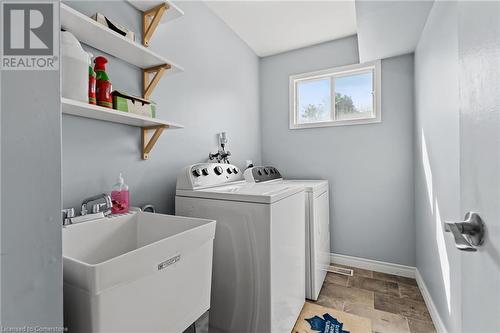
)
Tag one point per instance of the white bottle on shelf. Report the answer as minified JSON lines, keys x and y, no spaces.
{"x":75,"y":68}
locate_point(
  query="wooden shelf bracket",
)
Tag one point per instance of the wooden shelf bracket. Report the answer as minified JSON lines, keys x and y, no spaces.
{"x":150,"y":20}
{"x":147,"y":145}
{"x":149,"y":85}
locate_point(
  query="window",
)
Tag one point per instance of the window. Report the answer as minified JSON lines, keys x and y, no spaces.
{"x":340,"y":96}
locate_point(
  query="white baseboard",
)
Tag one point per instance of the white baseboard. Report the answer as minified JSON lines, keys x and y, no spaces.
{"x":373,"y":265}
{"x":436,"y":318}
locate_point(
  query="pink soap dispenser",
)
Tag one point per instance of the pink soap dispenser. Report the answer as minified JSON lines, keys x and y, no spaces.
{"x":120,"y":197}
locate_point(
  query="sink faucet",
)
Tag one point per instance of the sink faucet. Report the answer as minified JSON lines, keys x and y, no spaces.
{"x":96,"y":208}
{"x":69,"y":217}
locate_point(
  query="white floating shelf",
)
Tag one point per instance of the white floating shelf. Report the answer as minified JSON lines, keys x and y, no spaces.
{"x":80,"y":109}
{"x":100,"y":37}
{"x":172,"y":13}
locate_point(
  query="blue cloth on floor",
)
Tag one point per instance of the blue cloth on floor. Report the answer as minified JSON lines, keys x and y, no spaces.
{"x":327,"y":324}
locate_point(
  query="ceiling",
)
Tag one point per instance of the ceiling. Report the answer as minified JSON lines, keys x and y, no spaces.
{"x":271,"y":27}
{"x":389,"y":28}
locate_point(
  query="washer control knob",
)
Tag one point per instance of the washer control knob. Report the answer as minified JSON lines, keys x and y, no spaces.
{"x":235,"y":170}
{"x":259,"y":172}
{"x":218,"y":170}
{"x":266,"y":170}
{"x":229,"y":171}
{"x":197,"y":172}
{"x":204,"y":171}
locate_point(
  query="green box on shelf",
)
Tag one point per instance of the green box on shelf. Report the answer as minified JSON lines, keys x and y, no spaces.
{"x":133,"y":104}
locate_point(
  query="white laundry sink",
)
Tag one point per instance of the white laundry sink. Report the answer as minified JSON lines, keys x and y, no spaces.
{"x":139,"y":272}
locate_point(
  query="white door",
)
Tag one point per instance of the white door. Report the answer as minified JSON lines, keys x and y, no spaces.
{"x":479,"y":63}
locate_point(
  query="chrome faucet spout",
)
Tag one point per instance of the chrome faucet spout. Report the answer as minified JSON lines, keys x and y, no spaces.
{"x":107,"y":202}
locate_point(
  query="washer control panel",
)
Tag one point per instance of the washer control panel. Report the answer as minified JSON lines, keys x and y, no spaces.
{"x":208,"y":174}
{"x":261,"y":174}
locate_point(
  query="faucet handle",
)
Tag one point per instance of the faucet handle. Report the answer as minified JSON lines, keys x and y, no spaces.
{"x":84,"y":210}
{"x":96,"y":208}
{"x":213,"y":156}
{"x":109,"y":204}
{"x":67,"y":215}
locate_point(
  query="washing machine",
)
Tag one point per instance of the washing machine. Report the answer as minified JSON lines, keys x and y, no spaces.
{"x":317,"y":217}
{"x":258,"y":273}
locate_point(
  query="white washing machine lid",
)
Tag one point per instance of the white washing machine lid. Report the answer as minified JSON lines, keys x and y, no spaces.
{"x":314,"y":186}
{"x":246,"y":192}
{"x":309,"y":185}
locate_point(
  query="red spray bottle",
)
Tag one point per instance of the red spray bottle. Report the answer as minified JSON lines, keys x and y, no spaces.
{"x":103,"y":85}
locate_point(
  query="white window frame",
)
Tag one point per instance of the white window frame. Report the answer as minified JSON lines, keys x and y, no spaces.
{"x":374,"y":67}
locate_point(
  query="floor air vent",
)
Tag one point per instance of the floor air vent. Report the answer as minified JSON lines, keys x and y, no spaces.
{"x":340,"y":270}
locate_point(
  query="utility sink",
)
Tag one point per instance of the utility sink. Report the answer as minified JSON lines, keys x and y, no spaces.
{"x":138,"y":272}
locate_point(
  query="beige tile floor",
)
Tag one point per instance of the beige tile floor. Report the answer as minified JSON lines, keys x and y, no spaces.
{"x":393,"y":303}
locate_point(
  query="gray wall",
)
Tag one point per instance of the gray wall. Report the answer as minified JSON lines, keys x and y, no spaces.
{"x":217,"y":92}
{"x":437,"y":159}
{"x":370,"y":167}
{"x":30,"y":261}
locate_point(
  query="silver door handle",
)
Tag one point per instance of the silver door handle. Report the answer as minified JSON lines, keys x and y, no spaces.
{"x":469,"y":233}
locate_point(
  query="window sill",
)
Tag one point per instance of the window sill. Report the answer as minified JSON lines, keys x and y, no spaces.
{"x":348,"y":122}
